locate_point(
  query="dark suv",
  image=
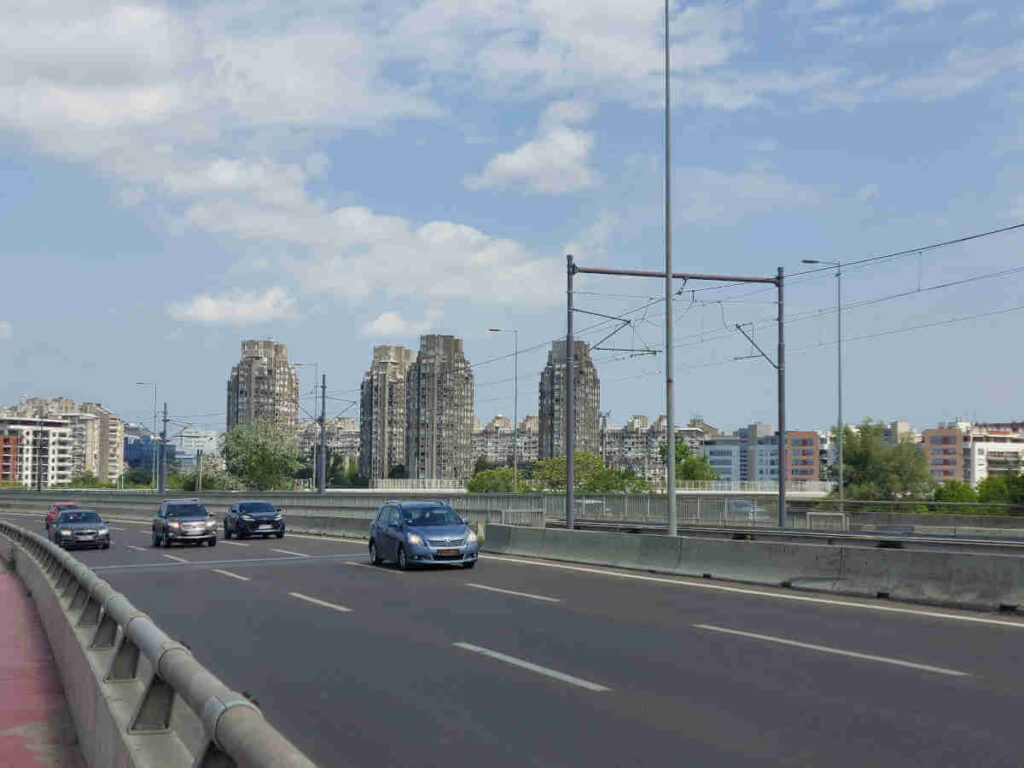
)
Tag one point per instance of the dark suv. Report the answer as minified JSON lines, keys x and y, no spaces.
{"x":253,"y":518}
{"x":183,"y":521}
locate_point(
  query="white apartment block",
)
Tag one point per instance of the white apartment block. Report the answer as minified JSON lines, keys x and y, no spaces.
{"x":45,"y":450}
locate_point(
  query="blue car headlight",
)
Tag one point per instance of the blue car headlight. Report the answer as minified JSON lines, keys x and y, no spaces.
{"x":416,"y":540}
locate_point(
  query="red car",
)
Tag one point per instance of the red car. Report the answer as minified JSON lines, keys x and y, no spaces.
{"x":56,"y":509}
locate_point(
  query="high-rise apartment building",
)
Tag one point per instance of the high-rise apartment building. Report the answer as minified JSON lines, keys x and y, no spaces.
{"x":439,"y":411}
{"x":382,"y":419}
{"x":639,"y":445}
{"x":263,"y":386}
{"x":587,"y":396}
{"x":493,"y":442}
{"x":9,"y":444}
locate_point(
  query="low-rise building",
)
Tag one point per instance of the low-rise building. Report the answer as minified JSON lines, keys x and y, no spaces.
{"x":970,"y":453}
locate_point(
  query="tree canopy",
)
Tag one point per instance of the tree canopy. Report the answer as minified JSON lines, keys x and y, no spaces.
{"x":689,"y":465}
{"x":263,"y":455}
{"x":877,"y":471}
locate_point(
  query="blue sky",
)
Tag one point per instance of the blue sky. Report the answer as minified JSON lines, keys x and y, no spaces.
{"x":180,"y":176}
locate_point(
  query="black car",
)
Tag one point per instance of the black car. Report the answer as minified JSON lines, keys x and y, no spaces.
{"x":183,"y":521}
{"x":80,"y":528}
{"x":253,"y":518}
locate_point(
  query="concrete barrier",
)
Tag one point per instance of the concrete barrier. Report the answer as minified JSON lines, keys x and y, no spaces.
{"x":122,"y":675}
{"x":963,"y":580}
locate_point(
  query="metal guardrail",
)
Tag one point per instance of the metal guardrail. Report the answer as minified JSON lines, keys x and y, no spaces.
{"x":237,"y":733}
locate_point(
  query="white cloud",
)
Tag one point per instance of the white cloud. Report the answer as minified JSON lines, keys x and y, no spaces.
{"x":965,"y":69}
{"x":918,"y":6}
{"x":715,"y":196}
{"x":237,"y":309}
{"x":592,"y":243}
{"x":867,"y":192}
{"x":6,"y":330}
{"x":555,"y":162}
{"x":393,"y":324}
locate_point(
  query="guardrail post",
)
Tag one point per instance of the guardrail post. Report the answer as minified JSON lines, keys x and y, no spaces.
{"x":125,"y":664}
{"x":90,"y":614}
{"x":63,"y":578}
{"x":153,"y":714}
{"x":80,"y":598}
{"x":70,"y":586}
{"x":105,"y":634}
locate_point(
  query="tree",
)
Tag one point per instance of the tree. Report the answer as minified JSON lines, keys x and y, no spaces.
{"x":1002,"y":489}
{"x":491,"y":481}
{"x":88,"y":480}
{"x":263,"y":455}
{"x":954,"y":490}
{"x":397,"y":472}
{"x":689,"y":465}
{"x":483,"y":464}
{"x":342,"y":472}
{"x":874,"y":470}
{"x":591,"y":476}
{"x":138,"y":476}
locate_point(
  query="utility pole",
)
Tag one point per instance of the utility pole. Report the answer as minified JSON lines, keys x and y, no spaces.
{"x":570,"y":404}
{"x":162,"y":488}
{"x":322,"y":467}
{"x":199,"y":472}
{"x":670,"y":406}
{"x":781,"y":369}
{"x":39,"y":453}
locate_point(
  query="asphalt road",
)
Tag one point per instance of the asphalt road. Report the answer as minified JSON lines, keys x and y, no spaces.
{"x":526,"y":663}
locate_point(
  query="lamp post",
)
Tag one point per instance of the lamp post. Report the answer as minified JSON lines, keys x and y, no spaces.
{"x":515,"y":403}
{"x":152,"y":464}
{"x":316,"y":378}
{"x":839,"y":364}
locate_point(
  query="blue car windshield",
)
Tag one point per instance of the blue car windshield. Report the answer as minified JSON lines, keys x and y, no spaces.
{"x":416,"y":517}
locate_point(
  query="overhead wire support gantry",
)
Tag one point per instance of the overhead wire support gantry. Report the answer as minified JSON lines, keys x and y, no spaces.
{"x":573,"y":269}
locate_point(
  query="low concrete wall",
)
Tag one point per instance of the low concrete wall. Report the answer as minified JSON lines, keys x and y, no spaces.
{"x":102,"y":740}
{"x":976,"y":581}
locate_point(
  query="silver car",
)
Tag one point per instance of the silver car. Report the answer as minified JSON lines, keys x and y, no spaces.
{"x":422,"y":533}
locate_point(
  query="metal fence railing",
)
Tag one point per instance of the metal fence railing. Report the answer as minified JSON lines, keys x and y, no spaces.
{"x":236,"y":734}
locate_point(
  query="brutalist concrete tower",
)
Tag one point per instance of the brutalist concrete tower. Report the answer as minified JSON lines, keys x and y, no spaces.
{"x":587,"y":391}
{"x":439,"y":411}
{"x":263,"y":386}
{"x":382,"y":412}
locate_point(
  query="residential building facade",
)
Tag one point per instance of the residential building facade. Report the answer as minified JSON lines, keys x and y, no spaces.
{"x":9,"y":444}
{"x":439,"y":411}
{"x":552,"y":402}
{"x":970,"y":453}
{"x":263,"y":386}
{"x":108,"y":463}
{"x":44,"y":456}
{"x":382,"y":417}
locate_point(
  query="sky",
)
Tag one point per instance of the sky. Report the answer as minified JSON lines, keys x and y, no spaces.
{"x":178,"y":177}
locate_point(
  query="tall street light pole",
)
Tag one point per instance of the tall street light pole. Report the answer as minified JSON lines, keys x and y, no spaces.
{"x":153,"y":462}
{"x":515,"y":403}
{"x":670,"y":441}
{"x":839,"y":367}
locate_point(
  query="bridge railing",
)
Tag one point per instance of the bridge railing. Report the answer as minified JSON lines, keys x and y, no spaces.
{"x":123,"y":675}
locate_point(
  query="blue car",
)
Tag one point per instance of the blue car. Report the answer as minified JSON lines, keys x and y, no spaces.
{"x":412,"y":533}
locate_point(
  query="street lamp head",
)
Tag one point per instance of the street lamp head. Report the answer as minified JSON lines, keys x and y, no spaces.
{"x":811,"y":261}
{"x":494,"y":330}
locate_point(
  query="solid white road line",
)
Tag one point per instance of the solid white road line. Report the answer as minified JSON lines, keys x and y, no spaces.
{"x":233,"y":543}
{"x":116,"y":529}
{"x":139,"y":549}
{"x":516,"y":594}
{"x":825,"y":649}
{"x":175,"y":557}
{"x":534,"y":667}
{"x":760,"y":592}
{"x":289,"y":552}
{"x":232,"y":575}
{"x":314,"y":601}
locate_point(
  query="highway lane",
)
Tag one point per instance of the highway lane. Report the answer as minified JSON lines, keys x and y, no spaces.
{"x":387,"y":682}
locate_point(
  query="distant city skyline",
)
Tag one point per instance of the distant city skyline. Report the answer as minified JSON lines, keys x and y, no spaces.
{"x":439,"y":194}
